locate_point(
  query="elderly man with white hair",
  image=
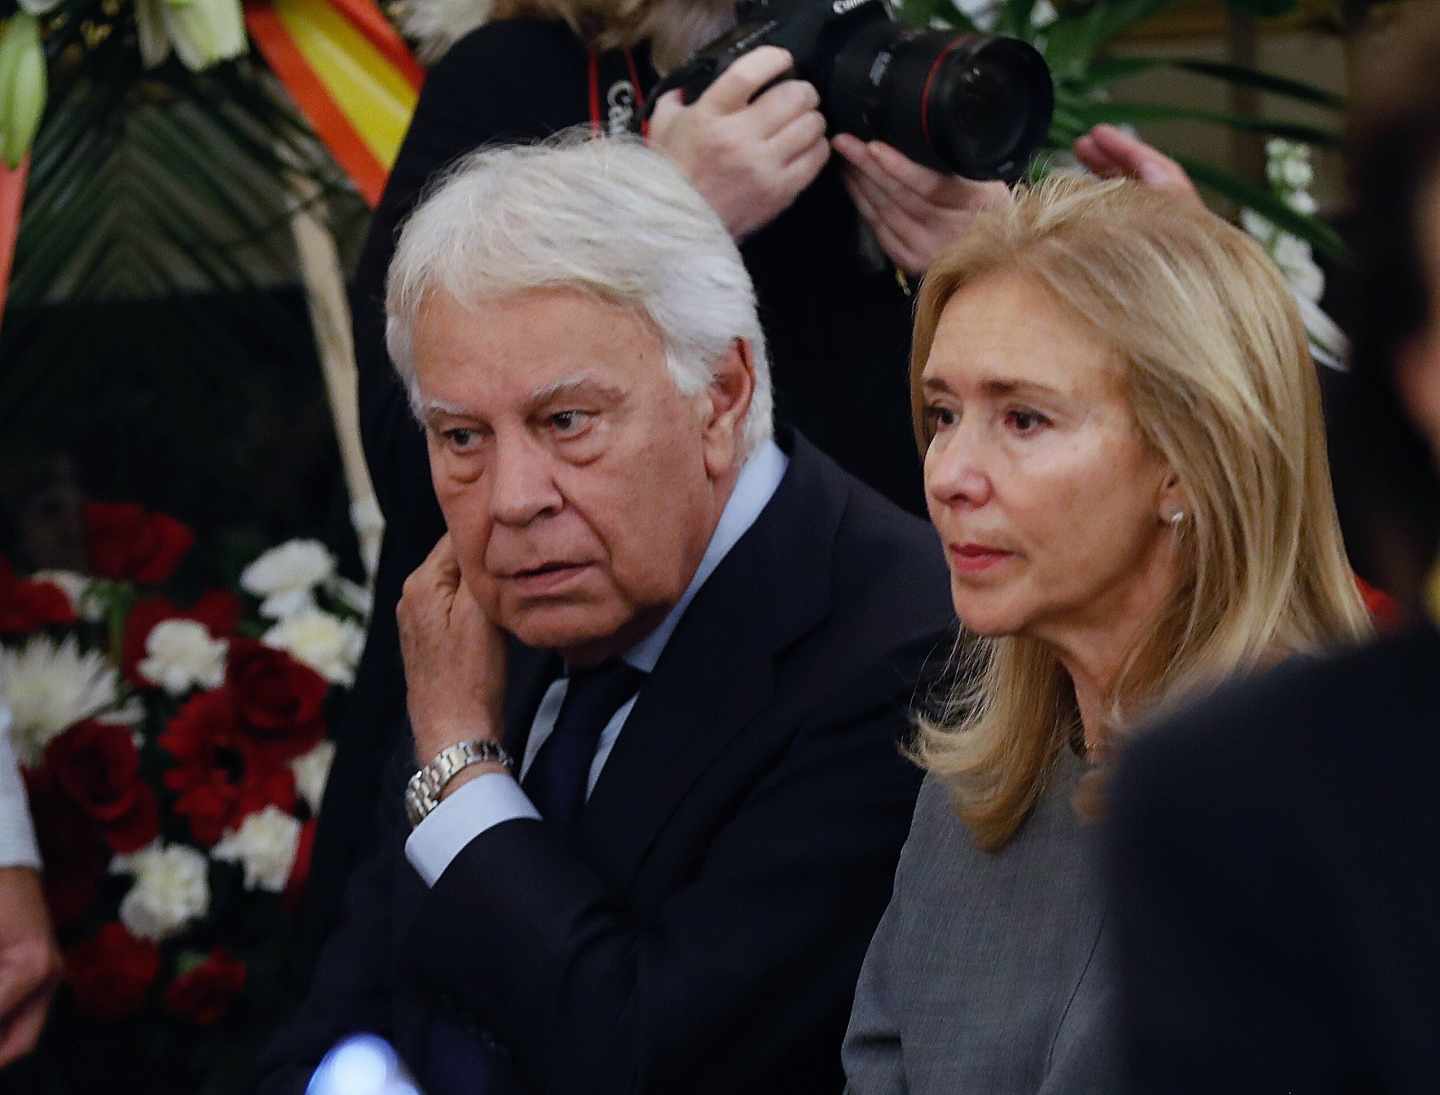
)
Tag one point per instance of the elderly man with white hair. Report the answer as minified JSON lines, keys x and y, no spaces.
{"x":656,"y":669}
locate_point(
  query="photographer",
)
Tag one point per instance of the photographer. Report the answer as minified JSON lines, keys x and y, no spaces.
{"x":836,"y":317}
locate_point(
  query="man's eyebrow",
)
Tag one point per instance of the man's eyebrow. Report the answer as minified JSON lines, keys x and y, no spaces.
{"x":574,"y":385}
{"x":430,"y":408}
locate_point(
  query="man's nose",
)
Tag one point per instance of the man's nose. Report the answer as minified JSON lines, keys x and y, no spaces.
{"x":522,"y":482}
{"x":957,"y":468}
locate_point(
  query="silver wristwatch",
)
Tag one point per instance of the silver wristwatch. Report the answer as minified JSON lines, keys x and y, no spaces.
{"x":422,"y":793}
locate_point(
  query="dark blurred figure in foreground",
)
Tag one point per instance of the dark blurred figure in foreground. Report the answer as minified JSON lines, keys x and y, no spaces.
{"x":1276,"y":850}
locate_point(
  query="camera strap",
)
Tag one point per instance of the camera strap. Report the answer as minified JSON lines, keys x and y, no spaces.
{"x":616,"y":95}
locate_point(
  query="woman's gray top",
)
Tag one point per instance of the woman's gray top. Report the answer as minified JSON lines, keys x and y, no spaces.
{"x":990,"y":972}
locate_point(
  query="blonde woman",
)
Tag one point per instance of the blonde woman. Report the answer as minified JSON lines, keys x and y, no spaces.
{"x":1125,"y":461}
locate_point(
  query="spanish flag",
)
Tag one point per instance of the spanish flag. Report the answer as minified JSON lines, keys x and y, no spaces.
{"x":351,"y":75}
{"x":12,"y":196}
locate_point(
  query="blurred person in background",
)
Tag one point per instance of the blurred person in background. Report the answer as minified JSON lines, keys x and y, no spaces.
{"x":1125,"y":460}
{"x":1275,"y":877}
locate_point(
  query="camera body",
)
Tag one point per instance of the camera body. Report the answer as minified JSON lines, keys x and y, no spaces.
{"x":968,"y":104}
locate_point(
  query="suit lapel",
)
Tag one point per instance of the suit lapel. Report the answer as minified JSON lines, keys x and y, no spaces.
{"x":716,"y":674}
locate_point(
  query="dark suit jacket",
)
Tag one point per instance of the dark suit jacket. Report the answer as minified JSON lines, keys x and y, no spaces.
{"x":1277,"y":882}
{"x":735,"y":855}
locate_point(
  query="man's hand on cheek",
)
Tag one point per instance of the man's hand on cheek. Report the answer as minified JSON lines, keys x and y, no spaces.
{"x":750,"y":160}
{"x":915,"y":212}
{"x":454,"y":658}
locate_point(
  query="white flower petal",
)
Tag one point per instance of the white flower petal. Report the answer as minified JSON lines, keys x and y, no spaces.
{"x":172,"y":888}
{"x":181,"y":655}
{"x":265,"y":846}
{"x":327,"y":644}
{"x":48,"y":689}
{"x":294,"y":565}
{"x":312,"y":771}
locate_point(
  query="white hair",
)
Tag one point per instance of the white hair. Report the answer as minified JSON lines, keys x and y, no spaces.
{"x":610,"y":217}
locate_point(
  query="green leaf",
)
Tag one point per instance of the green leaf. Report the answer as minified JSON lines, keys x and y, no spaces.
{"x":1267,"y":204}
{"x":1108,"y":70}
{"x":1072,"y":42}
{"x":1131,"y":113}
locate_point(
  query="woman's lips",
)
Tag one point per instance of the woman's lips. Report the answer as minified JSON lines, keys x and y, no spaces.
{"x":976,"y":558}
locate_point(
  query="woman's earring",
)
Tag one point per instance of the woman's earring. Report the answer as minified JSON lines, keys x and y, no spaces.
{"x":1173,"y":517}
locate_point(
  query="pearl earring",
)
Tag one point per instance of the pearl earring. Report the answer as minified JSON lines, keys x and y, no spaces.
{"x":1175,"y":517}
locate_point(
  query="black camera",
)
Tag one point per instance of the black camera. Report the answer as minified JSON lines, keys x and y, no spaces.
{"x":970,"y":104}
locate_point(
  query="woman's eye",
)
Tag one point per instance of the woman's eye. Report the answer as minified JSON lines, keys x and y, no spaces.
{"x":1023,"y":421}
{"x":938,"y":418}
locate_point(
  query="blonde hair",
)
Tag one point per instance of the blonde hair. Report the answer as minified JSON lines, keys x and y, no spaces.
{"x":1220,"y":381}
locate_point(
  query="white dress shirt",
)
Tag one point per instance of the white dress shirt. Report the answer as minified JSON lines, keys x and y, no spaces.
{"x":17,"y":834}
{"x":495,"y":797}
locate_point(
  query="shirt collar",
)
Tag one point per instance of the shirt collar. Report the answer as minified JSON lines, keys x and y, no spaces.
{"x":754,"y":487}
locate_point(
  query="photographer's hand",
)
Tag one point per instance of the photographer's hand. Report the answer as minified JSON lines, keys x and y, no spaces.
{"x":1109,"y":151}
{"x":913,"y":210}
{"x":749,"y":159}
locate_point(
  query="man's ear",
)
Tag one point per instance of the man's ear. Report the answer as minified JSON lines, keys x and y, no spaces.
{"x":727,"y":402}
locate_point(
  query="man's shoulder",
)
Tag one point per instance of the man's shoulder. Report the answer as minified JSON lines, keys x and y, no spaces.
{"x":1326,"y":727}
{"x":878,"y":549}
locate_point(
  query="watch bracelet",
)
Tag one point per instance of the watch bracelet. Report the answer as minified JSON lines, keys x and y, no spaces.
{"x":422,"y":792}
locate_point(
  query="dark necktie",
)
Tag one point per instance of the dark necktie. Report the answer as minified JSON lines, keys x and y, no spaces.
{"x":560,"y":771}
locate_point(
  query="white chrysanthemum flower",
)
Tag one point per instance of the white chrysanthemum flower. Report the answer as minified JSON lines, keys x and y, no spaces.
{"x":50,"y":688}
{"x":311,"y":773}
{"x":129,"y":713}
{"x":285,"y":576}
{"x":181,"y":654}
{"x":74,"y":586}
{"x":327,"y":644}
{"x":264,"y":845}
{"x":172,"y":888}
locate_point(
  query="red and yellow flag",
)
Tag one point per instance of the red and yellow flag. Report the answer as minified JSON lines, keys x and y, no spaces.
{"x":351,"y":75}
{"x":12,"y":197}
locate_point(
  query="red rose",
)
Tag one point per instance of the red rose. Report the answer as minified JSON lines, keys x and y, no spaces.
{"x":72,"y":847}
{"x":128,"y":543}
{"x":110,"y":972}
{"x":27,"y":605}
{"x":219,"y":611}
{"x":203,"y":995}
{"x":221,"y":772}
{"x":98,"y":766}
{"x":280,"y":700}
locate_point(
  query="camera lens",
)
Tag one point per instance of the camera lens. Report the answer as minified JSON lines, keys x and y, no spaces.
{"x":970,"y":104}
